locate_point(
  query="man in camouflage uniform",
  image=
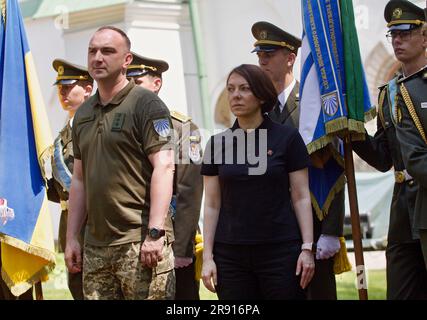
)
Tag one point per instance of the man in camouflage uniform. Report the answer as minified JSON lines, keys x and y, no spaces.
{"x":277,"y":51}
{"x":122,"y":182}
{"x":74,"y":87}
{"x":188,"y":182}
{"x":412,"y":119}
{"x":406,"y":275}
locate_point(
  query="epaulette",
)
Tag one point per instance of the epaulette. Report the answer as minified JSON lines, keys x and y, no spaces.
{"x":180,"y":116}
{"x":420,"y":73}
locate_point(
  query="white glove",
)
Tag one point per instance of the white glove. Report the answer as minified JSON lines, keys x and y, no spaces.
{"x":327,"y":246}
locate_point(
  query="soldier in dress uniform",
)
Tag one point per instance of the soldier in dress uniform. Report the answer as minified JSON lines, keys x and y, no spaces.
{"x":74,"y":87}
{"x":406,"y":275}
{"x":411,"y":110}
{"x":188,"y":183}
{"x":277,"y":51}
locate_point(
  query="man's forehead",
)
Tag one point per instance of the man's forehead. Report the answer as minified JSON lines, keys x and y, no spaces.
{"x":106,"y":38}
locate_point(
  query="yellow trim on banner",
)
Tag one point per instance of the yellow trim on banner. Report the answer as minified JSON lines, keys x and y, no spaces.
{"x":25,"y":264}
{"x":321,"y":213}
{"x":42,"y":133}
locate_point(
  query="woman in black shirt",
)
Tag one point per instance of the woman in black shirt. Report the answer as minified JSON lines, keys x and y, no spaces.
{"x":258,"y":228}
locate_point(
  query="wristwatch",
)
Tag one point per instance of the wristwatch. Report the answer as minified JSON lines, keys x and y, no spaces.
{"x":155,"y":233}
{"x":310,"y":246}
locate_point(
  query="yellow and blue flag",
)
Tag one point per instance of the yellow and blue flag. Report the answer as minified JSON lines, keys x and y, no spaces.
{"x":27,"y":246}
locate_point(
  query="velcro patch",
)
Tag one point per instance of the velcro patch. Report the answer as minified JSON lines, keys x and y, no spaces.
{"x":118,"y":121}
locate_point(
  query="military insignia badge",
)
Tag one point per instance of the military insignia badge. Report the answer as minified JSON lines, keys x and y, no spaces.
{"x":194,"y":149}
{"x":162,"y":127}
{"x":60,"y":70}
{"x":6,"y":213}
{"x":397,"y":13}
{"x":423,"y":105}
{"x":263,"y":35}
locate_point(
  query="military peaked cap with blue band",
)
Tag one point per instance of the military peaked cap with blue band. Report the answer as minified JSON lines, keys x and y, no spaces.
{"x":142,"y":65}
{"x":270,"y":38}
{"x":69,"y":73}
{"x":403,"y":15}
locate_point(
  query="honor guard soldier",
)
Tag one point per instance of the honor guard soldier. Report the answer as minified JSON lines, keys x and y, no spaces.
{"x":74,"y":86}
{"x":188,"y":182}
{"x":277,"y":51}
{"x":406,"y":275}
{"x":411,"y":42}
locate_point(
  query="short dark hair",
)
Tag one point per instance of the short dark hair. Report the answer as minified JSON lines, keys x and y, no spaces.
{"x":120,"y":31}
{"x":260,"y":83}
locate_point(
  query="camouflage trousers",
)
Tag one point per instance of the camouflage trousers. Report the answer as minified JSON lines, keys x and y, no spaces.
{"x":115,"y":273}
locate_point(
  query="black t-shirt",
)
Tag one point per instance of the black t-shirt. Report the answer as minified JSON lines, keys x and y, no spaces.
{"x":255,"y":198}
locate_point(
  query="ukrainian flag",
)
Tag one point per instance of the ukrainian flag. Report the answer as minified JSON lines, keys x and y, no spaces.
{"x":27,"y":247}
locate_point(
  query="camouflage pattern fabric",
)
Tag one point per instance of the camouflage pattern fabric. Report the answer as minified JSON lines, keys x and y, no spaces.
{"x":115,"y":273}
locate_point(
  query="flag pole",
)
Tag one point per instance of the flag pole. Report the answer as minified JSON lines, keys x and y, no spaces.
{"x":39,"y":291}
{"x":355,"y":219}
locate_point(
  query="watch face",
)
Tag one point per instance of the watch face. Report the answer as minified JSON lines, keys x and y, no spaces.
{"x":154,"y":233}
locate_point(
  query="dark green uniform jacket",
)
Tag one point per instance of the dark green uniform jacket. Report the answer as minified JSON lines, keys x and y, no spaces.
{"x":382,"y":152}
{"x":412,"y":134}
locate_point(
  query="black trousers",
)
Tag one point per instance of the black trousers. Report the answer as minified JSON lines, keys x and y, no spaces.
{"x":323,"y":285}
{"x":187,"y":288}
{"x":256,"y":272}
{"x":423,"y":240}
{"x":406,"y":272}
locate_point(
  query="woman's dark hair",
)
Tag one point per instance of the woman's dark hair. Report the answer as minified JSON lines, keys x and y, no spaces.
{"x":260,"y":83}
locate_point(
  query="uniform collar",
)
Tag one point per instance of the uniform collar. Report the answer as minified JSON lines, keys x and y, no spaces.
{"x":118,"y":98}
{"x":284,"y":95}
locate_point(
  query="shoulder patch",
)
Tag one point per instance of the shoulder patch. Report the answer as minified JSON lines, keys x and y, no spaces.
{"x":179,"y":116}
{"x":162,"y":127}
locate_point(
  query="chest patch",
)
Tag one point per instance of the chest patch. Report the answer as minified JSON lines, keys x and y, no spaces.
{"x":423,"y":105}
{"x":118,"y":121}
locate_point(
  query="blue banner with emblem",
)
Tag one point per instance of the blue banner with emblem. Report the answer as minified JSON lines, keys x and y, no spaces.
{"x":329,"y":96}
{"x":27,"y":245}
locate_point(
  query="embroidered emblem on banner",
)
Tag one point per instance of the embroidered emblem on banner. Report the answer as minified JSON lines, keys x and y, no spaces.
{"x":6,"y":213}
{"x":330,"y":103}
{"x":162,"y":127}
